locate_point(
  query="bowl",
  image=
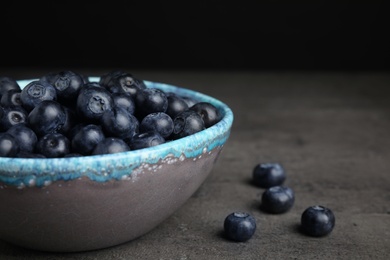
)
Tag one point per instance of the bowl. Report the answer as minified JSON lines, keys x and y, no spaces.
{"x":93,"y":202}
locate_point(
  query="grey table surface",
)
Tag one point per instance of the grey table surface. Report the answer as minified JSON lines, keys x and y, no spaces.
{"x":331,"y":132}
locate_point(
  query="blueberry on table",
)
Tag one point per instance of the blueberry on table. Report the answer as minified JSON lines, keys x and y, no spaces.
{"x":53,"y":145}
{"x":35,"y":92}
{"x":187,"y":123}
{"x":317,"y":221}
{"x":277,"y":199}
{"x":111,"y":145}
{"x":159,"y":122}
{"x":145,"y":140}
{"x":266,"y":175}
{"x":48,"y":116}
{"x":208,"y":112}
{"x":239,"y":226}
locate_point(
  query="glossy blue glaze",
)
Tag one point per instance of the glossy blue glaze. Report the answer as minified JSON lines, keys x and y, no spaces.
{"x":30,"y":172}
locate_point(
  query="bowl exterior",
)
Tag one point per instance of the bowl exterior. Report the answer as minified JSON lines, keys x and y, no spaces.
{"x":92,"y":202}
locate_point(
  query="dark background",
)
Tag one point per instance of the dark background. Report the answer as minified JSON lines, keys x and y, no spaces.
{"x":195,"y":35}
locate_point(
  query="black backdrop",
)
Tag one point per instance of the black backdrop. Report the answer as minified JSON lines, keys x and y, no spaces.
{"x":195,"y":34}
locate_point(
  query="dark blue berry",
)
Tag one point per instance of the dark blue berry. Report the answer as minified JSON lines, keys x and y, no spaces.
{"x":239,"y":226}
{"x":111,"y":145}
{"x":150,"y":100}
{"x":12,"y":115}
{"x":159,"y":122}
{"x":176,"y":105}
{"x":67,"y":84}
{"x":35,"y":92}
{"x":277,"y":199}
{"x":266,"y":175}
{"x":8,"y":145}
{"x":25,"y":136}
{"x":85,"y":138}
{"x":317,"y":221}
{"x":48,"y":116}
{"x":190,"y":101}
{"x":93,"y":101}
{"x":145,"y":140}
{"x":53,"y":145}
{"x":125,"y":101}
{"x":8,"y":83}
{"x":107,"y":79}
{"x":11,"y":98}
{"x":118,"y":122}
{"x":187,"y":123}
{"x":126,"y":83}
{"x":208,"y":112}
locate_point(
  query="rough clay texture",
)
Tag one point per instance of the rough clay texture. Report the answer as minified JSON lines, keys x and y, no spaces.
{"x":331,"y":133}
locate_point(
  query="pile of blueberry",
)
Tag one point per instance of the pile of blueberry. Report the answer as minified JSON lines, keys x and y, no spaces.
{"x":64,"y":114}
{"x":277,"y":198}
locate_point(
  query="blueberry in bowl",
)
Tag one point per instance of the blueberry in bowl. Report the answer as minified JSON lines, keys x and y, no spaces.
{"x":77,"y":177}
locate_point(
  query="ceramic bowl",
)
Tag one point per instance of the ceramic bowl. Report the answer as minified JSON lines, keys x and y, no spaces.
{"x":93,"y":202}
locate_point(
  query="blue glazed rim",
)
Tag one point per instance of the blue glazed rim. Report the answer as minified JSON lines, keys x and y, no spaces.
{"x":38,"y":172}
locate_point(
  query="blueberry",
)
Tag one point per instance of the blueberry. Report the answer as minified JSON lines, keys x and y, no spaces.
{"x":159,"y":122}
{"x":118,"y":122}
{"x":277,"y":199}
{"x":35,"y":92}
{"x":8,"y":145}
{"x":67,"y":84}
{"x":93,"y":101}
{"x":266,"y":175}
{"x":190,"y":101}
{"x":48,"y":116}
{"x":150,"y":100}
{"x":85,"y":138}
{"x":107,"y":79}
{"x":239,"y":226}
{"x":126,"y":83}
{"x":145,"y":139}
{"x":176,"y":105}
{"x":187,"y":123}
{"x":25,"y":137}
{"x":8,"y":83}
{"x":12,"y":115}
{"x":317,"y":221}
{"x":208,"y":112}
{"x":71,"y":120}
{"x":125,"y":101}
{"x":53,"y":145}
{"x":111,"y":145}
{"x":11,"y":98}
